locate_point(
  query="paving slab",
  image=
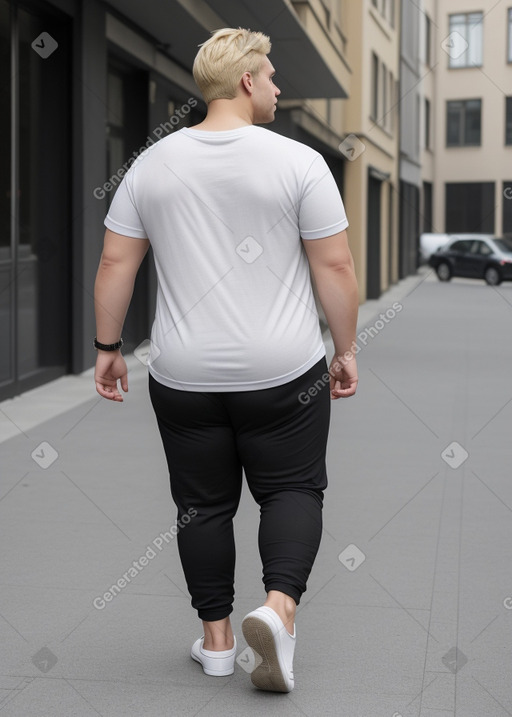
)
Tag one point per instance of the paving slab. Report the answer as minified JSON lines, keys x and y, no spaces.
{"x":408,"y":611}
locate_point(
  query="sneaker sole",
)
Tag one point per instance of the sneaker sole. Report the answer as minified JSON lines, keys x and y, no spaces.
{"x":268,"y":675}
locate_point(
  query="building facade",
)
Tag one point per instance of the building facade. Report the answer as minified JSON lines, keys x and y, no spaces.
{"x":456,"y":121}
{"x":473,"y":118}
{"x":428,"y":54}
{"x":358,"y":133}
{"x":410,"y":151}
{"x":371,"y":141}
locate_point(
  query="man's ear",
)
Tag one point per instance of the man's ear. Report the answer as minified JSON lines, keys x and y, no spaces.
{"x":247,"y":83}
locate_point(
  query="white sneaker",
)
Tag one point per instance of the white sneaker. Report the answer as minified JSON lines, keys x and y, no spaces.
{"x":274,"y":646}
{"x":214,"y":662}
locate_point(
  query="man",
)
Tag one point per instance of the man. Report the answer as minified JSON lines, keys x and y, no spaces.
{"x":236,"y":216}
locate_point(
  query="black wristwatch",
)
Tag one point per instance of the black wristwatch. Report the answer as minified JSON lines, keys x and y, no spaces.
{"x":107,"y":347}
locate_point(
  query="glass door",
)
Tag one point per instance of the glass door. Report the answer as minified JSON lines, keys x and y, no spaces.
{"x":35,"y":223}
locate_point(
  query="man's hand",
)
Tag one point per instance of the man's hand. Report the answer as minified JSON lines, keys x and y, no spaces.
{"x":110,"y":366}
{"x":332,"y":267}
{"x":120,"y":261}
{"x":343,"y":381}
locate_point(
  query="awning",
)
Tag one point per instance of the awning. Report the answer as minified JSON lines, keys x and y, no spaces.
{"x":301,"y":71}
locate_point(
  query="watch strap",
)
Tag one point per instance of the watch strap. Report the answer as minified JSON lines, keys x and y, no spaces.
{"x":107,"y":347}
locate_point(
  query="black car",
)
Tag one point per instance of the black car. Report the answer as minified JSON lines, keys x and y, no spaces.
{"x":476,"y":256}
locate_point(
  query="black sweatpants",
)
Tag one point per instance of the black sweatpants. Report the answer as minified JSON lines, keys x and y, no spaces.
{"x":278,"y":436}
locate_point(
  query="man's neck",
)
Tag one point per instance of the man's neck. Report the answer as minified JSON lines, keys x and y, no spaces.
{"x":210,"y":126}
{"x":224,"y":115}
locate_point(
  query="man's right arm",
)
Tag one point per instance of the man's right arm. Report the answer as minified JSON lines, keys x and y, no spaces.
{"x":332,"y":268}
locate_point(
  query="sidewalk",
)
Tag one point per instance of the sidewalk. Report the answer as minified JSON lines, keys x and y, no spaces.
{"x":408,"y":609}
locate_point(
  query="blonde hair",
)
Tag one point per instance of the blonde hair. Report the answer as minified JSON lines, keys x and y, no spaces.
{"x":223,"y":59}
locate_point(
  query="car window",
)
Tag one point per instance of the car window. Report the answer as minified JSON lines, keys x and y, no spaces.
{"x":461,"y":246}
{"x":504,"y":244}
{"x":481,"y":248}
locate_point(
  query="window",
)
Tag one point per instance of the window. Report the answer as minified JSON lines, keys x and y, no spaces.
{"x":428,"y":40}
{"x":481,"y":248}
{"x":467,"y":47}
{"x":428,"y":207}
{"x":386,"y":8}
{"x":385,"y":117}
{"x":463,"y":123}
{"x":504,"y":244}
{"x":427,"y":124}
{"x":509,"y":55}
{"x":382,"y":98}
{"x":375,"y":87}
{"x":392,"y":108}
{"x":470,"y":207}
{"x":417,"y":120}
{"x":508,"y":120}
{"x":461,"y":247}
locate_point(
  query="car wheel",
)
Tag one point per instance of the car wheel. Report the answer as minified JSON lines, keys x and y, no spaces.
{"x":492,"y":276}
{"x":444,"y":271}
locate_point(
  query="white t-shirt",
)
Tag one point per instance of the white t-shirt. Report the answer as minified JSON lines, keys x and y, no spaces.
{"x":225,"y":213}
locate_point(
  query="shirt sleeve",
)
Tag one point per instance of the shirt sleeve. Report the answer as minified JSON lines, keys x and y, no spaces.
{"x":123,"y":217}
{"x":321,"y":211}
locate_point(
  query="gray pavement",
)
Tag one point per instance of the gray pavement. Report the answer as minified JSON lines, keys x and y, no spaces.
{"x":408,"y":611}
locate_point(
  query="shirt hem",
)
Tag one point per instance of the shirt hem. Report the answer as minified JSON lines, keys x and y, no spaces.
{"x":124,"y":230}
{"x":326,"y":231}
{"x":242,"y":386}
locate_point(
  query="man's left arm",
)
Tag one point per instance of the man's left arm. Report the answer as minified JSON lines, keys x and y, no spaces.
{"x":121,"y":258}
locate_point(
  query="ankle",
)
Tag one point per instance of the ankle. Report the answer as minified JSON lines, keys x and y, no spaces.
{"x":284,"y":602}
{"x":284,"y":606}
{"x":218,"y":635}
{"x":287,"y":618}
{"x":216,"y":646}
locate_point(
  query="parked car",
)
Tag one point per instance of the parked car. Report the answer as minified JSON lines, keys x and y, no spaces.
{"x":477,"y":256}
{"x":429,"y":243}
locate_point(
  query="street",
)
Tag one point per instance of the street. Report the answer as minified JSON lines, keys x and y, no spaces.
{"x":408,"y":611}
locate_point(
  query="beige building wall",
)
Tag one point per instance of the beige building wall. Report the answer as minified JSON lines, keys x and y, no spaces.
{"x":492,"y":161}
{"x":346,"y":34}
{"x":368,"y":32}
